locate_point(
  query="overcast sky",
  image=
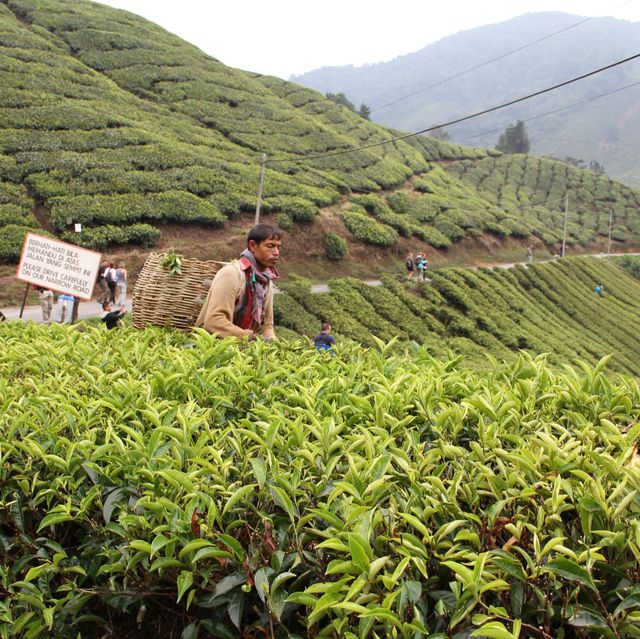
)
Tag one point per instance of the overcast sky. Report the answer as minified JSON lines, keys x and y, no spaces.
{"x":285,"y":37}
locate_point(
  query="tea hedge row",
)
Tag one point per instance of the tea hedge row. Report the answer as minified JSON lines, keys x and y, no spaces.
{"x":544,"y":308}
{"x":538,"y":186}
{"x":190,"y":486}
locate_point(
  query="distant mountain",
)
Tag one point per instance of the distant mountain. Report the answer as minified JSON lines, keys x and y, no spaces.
{"x":110,"y":121}
{"x":604,"y":129}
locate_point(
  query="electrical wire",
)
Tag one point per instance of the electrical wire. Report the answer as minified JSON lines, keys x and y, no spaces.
{"x":464,"y":118}
{"x":543,"y":115}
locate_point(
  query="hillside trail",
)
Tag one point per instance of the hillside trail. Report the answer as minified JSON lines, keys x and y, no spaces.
{"x":89,"y":310}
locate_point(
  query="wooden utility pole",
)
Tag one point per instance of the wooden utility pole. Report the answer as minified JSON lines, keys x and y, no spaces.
{"x":566,"y":215}
{"x":610,"y":225}
{"x":259,"y":202}
{"x":24,"y":300}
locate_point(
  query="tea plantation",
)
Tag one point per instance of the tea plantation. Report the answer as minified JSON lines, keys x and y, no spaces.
{"x":179,"y":485}
{"x":109,"y":121}
{"x":465,"y":465}
{"x":548,"y":307}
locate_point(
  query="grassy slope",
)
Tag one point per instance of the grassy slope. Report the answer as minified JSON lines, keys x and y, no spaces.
{"x":124,"y":127}
{"x":544,"y":308}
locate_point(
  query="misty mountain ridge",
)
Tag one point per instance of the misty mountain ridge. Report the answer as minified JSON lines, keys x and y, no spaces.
{"x":443,"y":87}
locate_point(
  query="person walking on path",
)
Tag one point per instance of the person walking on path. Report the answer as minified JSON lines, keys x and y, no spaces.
{"x":103,"y":289}
{"x":46,"y":302}
{"x":529,"y":253}
{"x":111,"y":278}
{"x":240,"y":300}
{"x":121,"y":284}
{"x":409,"y":265}
{"x":65,"y":304}
{"x":421,"y":265}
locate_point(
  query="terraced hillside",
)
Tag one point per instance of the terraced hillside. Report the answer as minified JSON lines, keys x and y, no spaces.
{"x":110,"y":121}
{"x":542,"y":308}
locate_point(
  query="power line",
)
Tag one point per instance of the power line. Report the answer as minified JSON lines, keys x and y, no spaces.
{"x":467,"y":117}
{"x":478,"y":66}
{"x":564,"y":108}
{"x":492,"y":60}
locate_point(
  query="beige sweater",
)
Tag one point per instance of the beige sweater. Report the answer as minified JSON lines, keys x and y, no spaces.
{"x":216,"y":315}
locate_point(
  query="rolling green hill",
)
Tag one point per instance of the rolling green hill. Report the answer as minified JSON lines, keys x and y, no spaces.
{"x":549,"y":308}
{"x":110,"y":121}
{"x":596,"y":119}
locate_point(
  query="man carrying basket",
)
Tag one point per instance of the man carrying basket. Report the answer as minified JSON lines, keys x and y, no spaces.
{"x":240,"y":300}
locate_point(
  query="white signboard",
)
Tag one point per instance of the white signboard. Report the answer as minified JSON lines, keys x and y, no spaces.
{"x":59,"y":266}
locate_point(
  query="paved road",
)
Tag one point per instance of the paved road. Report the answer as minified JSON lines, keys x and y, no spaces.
{"x":86,"y":310}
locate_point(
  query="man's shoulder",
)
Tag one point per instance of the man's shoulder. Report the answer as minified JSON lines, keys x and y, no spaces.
{"x":231,"y":269}
{"x":229,"y":275}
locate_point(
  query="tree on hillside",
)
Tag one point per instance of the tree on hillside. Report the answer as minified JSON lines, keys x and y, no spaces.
{"x":514,"y":139}
{"x":364,"y":111}
{"x":341,"y":98}
{"x":577,"y":162}
{"x":440,"y":134}
{"x":596,"y":167}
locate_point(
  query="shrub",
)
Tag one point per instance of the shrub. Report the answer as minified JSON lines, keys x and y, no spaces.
{"x":449,"y":229}
{"x":99,"y":237}
{"x":12,"y":240}
{"x":368,"y":230}
{"x":178,"y":206}
{"x":432,"y":236}
{"x":400,"y":202}
{"x":284,"y":221}
{"x":631,"y":264}
{"x":335,"y":247}
{"x":299,"y":208}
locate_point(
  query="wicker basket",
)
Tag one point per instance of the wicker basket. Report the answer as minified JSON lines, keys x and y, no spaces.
{"x":162,"y":299}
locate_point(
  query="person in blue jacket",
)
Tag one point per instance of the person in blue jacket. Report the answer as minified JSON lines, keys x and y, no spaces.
{"x":324,"y":341}
{"x":599,"y":290}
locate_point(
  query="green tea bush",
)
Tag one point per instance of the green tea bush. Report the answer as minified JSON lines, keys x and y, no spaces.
{"x":100,"y":237}
{"x":631,"y":264}
{"x":284,"y":221}
{"x":298,"y":208}
{"x":291,"y":314}
{"x":335,"y":247}
{"x":178,"y":206}
{"x":333,"y":485}
{"x":450,"y":230}
{"x":12,"y":240}
{"x":368,"y":230}
{"x":400,"y":202}
{"x":11,"y":214}
{"x":432,"y":236}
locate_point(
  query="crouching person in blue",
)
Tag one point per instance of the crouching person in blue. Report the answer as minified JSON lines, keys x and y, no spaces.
{"x":324,"y":341}
{"x":110,"y":317}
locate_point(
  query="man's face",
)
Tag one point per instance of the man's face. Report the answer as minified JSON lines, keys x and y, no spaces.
{"x":266,"y":252}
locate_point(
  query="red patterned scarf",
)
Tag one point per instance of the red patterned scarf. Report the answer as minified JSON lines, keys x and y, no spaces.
{"x":250,"y":306}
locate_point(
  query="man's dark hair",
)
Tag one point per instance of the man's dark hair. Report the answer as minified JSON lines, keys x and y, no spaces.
{"x":261,"y":232}
{"x":105,"y":305}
